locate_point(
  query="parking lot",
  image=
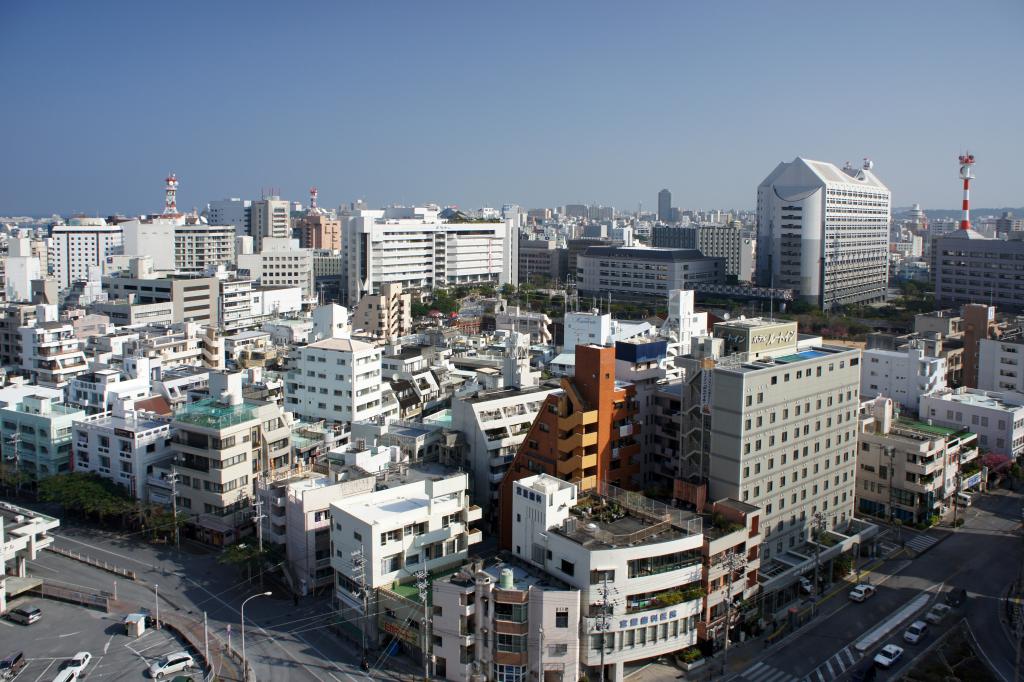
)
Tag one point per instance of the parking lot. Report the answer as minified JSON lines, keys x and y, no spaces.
{"x":66,"y":629}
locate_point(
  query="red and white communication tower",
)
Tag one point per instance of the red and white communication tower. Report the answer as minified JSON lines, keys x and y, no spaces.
{"x":313,"y":208}
{"x":171,"y":195}
{"x":966,"y":173}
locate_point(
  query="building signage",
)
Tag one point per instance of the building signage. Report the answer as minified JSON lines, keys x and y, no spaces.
{"x":972,"y":480}
{"x":404,"y":634}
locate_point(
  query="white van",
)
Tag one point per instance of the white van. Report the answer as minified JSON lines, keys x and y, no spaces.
{"x":964,"y":499}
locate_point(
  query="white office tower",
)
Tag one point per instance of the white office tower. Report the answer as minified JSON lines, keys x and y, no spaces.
{"x":824,"y":232}
{"x":270,"y":217}
{"x":79,"y":244}
{"x":20,"y":269}
{"x":416,"y":248}
{"x":233,"y":212}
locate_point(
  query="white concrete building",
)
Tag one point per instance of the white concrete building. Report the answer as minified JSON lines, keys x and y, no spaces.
{"x":98,"y":390}
{"x":123,"y":445}
{"x":82,"y":243}
{"x":21,"y":266}
{"x":269,"y":218}
{"x":903,"y":375}
{"x":23,"y":533}
{"x":646,"y":565}
{"x":1001,"y":363}
{"x":513,"y":318}
{"x":336,"y":380}
{"x":51,"y":353}
{"x":997,"y":417}
{"x":200,"y":247}
{"x":418,"y":250}
{"x":280,"y":263}
{"x":824,"y":232}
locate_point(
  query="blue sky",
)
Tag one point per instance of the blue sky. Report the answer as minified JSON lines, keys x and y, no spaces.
{"x":479,"y":103}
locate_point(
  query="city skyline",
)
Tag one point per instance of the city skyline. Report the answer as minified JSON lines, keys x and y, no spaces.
{"x":473,"y":106}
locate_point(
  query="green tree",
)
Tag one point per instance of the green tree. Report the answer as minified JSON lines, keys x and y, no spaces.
{"x":86,"y":494}
{"x":243,"y":556}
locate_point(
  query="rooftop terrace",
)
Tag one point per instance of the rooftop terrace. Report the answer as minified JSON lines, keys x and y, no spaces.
{"x":213,"y":414}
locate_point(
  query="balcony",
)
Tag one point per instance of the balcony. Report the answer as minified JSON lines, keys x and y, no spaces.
{"x":474,"y":513}
{"x":577,"y":440}
{"x":576,"y":462}
{"x":474,"y":536}
{"x":579,"y":419}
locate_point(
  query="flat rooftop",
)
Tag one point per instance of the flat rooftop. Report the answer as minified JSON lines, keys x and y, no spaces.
{"x":210,"y":413}
{"x":769,"y":362}
{"x":508,"y":392}
{"x":992,"y":401}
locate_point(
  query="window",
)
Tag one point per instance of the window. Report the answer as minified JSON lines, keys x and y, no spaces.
{"x":568,"y":567}
{"x":510,"y":643}
{"x":509,"y":673}
{"x":562,"y":618}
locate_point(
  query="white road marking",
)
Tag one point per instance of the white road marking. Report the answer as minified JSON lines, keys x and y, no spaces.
{"x":48,"y":666}
{"x":70,"y":634}
{"x":106,"y":647}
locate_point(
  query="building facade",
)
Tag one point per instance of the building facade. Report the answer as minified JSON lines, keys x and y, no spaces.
{"x":903,"y":375}
{"x":824,"y":232}
{"x":336,"y":380}
{"x":997,"y":417}
{"x":387,"y":315}
{"x":81,"y":244}
{"x":970,"y":268}
{"x":642,"y":273}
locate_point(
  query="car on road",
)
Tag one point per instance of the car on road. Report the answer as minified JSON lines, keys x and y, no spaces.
{"x":889,"y":654}
{"x":12,"y":665}
{"x":916,"y":632}
{"x":26,"y":615}
{"x":171,"y":663}
{"x":861,"y":592}
{"x":73,"y":668}
{"x":937,"y":613}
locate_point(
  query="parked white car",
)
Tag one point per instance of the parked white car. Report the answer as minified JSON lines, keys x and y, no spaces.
{"x":915,"y":633}
{"x":937,"y":613}
{"x":73,"y":668}
{"x":171,"y":663}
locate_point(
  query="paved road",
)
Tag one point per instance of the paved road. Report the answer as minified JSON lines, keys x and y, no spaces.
{"x":982,"y":557}
{"x":283,"y":642}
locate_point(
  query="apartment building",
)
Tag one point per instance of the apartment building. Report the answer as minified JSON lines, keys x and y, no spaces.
{"x":123,"y":445}
{"x":387,"y":315}
{"x":319,"y":231}
{"x":14,"y":317}
{"x":997,"y":417}
{"x":537,"y":326}
{"x":1001,"y":362}
{"x":636,"y":562}
{"x":96,"y":391}
{"x":783,"y":431}
{"x":221,"y":445}
{"x":419,"y":250}
{"x":199,"y":248}
{"x":195,"y":299}
{"x":586,"y":433}
{"x":417,"y":519}
{"x":643,"y":273}
{"x":81,"y":244}
{"x":23,"y":534}
{"x":335,"y":380}
{"x":37,"y":434}
{"x":719,"y":241}
{"x":51,"y":354}
{"x":823,"y":231}
{"x":731,"y":558}
{"x":904,"y":375}
{"x":907,"y":469}
{"x":531,"y":622}
{"x":233,"y":211}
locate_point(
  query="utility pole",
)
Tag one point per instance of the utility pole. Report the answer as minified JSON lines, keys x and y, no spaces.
{"x":540,"y":652}
{"x":206,"y":642}
{"x":174,"y":508}
{"x":15,"y":442}
{"x":156,"y":602}
{"x":603,"y":620}
{"x":258,"y":518}
{"x":423,"y":586}
{"x":818,"y":520}
{"x":733,"y":562}
{"x":359,"y":565}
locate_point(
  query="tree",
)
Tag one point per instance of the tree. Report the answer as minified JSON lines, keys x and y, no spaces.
{"x":244,"y":556}
{"x":86,"y":494}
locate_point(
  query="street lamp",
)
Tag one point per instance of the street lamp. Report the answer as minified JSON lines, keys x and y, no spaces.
{"x":245,"y":667}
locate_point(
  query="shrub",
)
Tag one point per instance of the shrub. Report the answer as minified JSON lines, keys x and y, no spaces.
{"x":690,"y":654}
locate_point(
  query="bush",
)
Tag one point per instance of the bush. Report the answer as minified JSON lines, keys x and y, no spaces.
{"x":690,"y":654}
{"x":958,"y":523}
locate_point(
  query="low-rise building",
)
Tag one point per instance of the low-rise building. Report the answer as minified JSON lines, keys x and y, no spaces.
{"x":643,"y":273}
{"x":908,"y":470}
{"x":37,"y":434}
{"x":903,"y":375}
{"x":51,"y":353}
{"x":997,"y":417}
{"x":499,"y":620}
{"x":123,"y":445}
{"x":636,"y":562}
{"x":386,"y":315}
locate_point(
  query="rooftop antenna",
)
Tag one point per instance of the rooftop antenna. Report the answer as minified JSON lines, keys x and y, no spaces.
{"x":171,"y":195}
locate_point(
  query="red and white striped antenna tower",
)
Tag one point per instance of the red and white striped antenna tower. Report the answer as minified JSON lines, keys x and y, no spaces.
{"x":313,"y":208}
{"x":966,"y":173}
{"x":171,"y":195}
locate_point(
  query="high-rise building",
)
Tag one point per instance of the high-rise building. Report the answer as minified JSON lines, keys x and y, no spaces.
{"x":79,"y":245}
{"x":386,"y":315}
{"x":970,"y":268}
{"x":824,"y":232}
{"x":585,"y":433}
{"x":234,"y":212}
{"x":270,"y":217}
{"x":664,"y":206}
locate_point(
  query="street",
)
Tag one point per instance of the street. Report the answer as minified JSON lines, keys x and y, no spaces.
{"x":983,"y":557}
{"x":283,"y":642}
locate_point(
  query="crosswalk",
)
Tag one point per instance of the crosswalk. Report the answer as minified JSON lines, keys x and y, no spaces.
{"x":834,"y":667}
{"x":920,"y":543}
{"x":762,"y":672}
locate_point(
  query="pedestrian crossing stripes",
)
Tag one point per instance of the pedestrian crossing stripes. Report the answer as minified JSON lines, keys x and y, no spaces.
{"x":834,"y":667}
{"x":762,"y":672}
{"x":920,"y":543}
